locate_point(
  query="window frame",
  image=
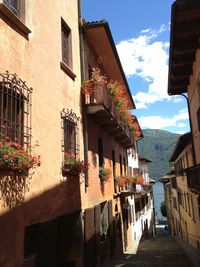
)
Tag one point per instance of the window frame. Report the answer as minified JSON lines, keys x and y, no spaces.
{"x":67,"y":66}
{"x":17,"y":11}
{"x":17,"y":21}
{"x":69,"y":120}
{"x":66,"y":44}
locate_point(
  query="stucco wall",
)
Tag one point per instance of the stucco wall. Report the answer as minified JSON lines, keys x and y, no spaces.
{"x":36,"y":60}
{"x":98,"y":191}
{"x":188,"y":212}
{"x":194,"y":100}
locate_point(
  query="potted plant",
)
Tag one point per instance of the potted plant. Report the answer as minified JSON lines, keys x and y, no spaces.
{"x":139,"y":179}
{"x":14,"y":159}
{"x":72,"y":166}
{"x":127,"y":179}
{"x":96,"y":81}
{"x":118,"y":179}
{"x":104,"y":174}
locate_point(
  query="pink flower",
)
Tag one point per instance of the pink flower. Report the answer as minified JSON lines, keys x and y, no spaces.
{"x":5,"y":156}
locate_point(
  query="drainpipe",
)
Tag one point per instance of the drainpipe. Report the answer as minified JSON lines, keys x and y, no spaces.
{"x":191,"y":128}
{"x":84,"y":111}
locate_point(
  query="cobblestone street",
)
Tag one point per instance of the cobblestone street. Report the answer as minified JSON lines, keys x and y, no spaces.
{"x":162,"y":250}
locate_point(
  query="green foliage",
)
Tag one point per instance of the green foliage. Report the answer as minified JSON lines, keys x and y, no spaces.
{"x":73,"y":166}
{"x":118,"y":179}
{"x":104,"y":173}
{"x":157,"y":145}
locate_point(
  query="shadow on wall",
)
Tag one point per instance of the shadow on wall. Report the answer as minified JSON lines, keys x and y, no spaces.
{"x":47,"y":228}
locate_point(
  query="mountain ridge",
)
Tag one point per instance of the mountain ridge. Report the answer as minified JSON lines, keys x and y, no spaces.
{"x":157,"y":146}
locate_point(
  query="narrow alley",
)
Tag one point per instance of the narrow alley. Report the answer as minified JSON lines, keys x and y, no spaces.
{"x":162,"y":250}
{"x":99,"y":133}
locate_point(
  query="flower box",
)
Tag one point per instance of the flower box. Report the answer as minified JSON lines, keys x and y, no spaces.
{"x":72,"y":166}
{"x":70,"y":171}
{"x":8,"y":171}
{"x":14,"y":159}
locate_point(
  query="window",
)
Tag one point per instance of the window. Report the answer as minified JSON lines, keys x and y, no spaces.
{"x":179,"y":167}
{"x":100,"y":152}
{"x":15,"y":105}
{"x":66,"y":44}
{"x":17,"y":7}
{"x":66,"y":62}
{"x":70,"y":127}
{"x":13,"y":5}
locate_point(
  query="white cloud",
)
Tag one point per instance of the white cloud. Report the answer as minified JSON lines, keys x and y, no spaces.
{"x":184,"y":110}
{"x":176,"y":99}
{"x":147,"y":58}
{"x":158,"y":122}
{"x":180,"y":132}
{"x":181,"y":125}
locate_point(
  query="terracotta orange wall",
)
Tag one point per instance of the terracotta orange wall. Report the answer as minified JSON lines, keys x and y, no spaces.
{"x":95,"y":193}
{"x":37,"y":61}
{"x":194,"y":99}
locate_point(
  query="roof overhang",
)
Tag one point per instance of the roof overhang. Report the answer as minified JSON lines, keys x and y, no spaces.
{"x":181,"y":144}
{"x":152,"y":181}
{"x":142,"y":158}
{"x":100,"y":37}
{"x":184,"y":41}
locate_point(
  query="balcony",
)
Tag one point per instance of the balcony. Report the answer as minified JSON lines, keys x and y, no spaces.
{"x":101,"y":106}
{"x":193,"y":178}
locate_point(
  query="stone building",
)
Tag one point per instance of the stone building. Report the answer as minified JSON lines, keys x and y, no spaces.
{"x":184,"y":69}
{"x":64,"y":177}
{"x":40,"y":107}
{"x":107,"y":140}
{"x":182,"y":202}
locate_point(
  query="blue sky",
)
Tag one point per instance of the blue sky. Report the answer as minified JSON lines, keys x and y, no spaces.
{"x":140,"y":30}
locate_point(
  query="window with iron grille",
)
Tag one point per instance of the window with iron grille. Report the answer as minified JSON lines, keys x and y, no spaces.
{"x":15,"y":109}
{"x":17,"y":7}
{"x":66,"y":44}
{"x":70,"y":142}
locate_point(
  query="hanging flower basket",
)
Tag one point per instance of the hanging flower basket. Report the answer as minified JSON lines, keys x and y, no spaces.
{"x":138,"y":179}
{"x":96,"y":81}
{"x":104,"y":174}
{"x":15,"y":160}
{"x":72,"y":166}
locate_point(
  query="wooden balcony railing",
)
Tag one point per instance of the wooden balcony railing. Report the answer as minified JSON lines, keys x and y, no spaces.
{"x":193,"y":177}
{"x":104,"y":109}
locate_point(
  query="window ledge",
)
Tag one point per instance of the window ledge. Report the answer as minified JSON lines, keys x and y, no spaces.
{"x":67,"y":70}
{"x":14,"y":19}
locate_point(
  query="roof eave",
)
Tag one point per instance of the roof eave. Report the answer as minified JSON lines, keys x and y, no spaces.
{"x":104,"y":24}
